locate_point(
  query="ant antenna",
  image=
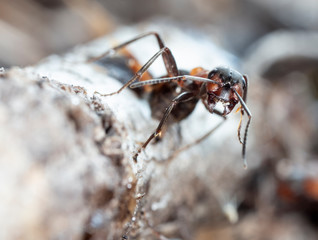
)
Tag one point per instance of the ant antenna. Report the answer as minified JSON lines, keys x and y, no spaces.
{"x":243,"y":104}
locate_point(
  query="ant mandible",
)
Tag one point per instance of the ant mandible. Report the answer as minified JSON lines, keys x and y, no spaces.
{"x":222,"y":84}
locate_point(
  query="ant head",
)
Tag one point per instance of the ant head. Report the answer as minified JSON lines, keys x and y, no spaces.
{"x":228,"y":80}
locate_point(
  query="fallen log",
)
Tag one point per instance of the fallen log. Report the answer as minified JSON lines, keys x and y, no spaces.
{"x":66,"y":153}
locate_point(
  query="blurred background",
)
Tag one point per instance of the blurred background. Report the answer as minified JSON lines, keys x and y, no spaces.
{"x":32,"y":29}
{"x":276,"y":42}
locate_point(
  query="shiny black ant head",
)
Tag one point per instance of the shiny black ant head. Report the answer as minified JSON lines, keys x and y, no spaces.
{"x":228,"y":81}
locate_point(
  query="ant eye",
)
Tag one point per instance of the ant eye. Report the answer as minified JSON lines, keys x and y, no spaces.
{"x":212,"y":73}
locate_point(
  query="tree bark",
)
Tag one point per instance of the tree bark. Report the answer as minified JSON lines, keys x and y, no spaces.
{"x":66,"y":153}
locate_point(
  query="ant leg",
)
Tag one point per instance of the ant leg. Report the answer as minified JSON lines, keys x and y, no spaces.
{"x":141,"y":71}
{"x":172,"y":79}
{"x":118,"y":47}
{"x":183,"y":97}
{"x":197,"y":141}
{"x":168,"y":59}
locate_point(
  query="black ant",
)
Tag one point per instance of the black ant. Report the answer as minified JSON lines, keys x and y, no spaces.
{"x":222,"y":84}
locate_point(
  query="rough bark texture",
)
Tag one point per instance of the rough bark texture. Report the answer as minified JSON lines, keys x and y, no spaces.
{"x":66,"y":153}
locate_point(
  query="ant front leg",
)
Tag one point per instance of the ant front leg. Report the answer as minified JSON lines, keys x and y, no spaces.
{"x":183,"y":97}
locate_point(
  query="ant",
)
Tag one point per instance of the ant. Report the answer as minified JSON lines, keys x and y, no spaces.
{"x":222,"y":84}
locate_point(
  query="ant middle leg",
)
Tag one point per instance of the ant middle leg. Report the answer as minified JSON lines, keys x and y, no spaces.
{"x":183,"y":97}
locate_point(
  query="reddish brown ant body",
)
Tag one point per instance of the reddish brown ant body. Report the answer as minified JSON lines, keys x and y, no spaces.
{"x":222,"y":84}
